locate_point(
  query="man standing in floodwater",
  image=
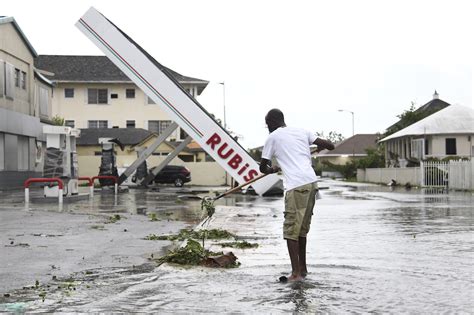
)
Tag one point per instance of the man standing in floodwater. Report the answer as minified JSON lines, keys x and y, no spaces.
{"x":290,"y":147}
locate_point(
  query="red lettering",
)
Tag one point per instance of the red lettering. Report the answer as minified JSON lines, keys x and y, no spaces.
{"x":213,"y":140}
{"x":251,"y":175}
{"x":243,"y":169}
{"x":224,"y":155}
{"x":235,"y":161}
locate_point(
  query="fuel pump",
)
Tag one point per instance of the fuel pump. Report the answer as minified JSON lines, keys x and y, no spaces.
{"x":108,"y":162}
{"x":61,"y":159}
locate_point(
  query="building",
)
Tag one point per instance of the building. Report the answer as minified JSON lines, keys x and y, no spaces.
{"x":446,"y":133}
{"x":348,"y":150}
{"x":436,"y":104}
{"x":25,"y":106}
{"x":91,"y":92}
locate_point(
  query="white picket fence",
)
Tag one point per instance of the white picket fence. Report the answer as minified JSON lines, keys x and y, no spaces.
{"x":457,"y":175}
{"x":450,"y":174}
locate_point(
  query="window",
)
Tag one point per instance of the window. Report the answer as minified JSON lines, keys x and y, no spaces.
{"x":114,"y":95}
{"x":9,"y":80}
{"x":23,"y":80}
{"x":97,"y":124}
{"x":69,"y":93}
{"x":69,"y":123}
{"x":150,"y":101}
{"x":23,"y":153}
{"x":158,"y":126}
{"x":427,"y":143}
{"x":451,"y":146}
{"x":130,"y":123}
{"x":130,"y":93}
{"x":44,"y":101}
{"x":2,"y":151}
{"x":97,"y":96}
{"x":17,"y":77}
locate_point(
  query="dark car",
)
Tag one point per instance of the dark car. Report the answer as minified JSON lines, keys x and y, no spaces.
{"x":173,"y":174}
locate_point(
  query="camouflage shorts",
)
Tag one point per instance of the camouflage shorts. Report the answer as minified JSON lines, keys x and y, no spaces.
{"x":299,"y":203}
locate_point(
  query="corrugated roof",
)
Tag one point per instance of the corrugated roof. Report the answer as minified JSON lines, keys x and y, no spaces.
{"x":454,"y":119}
{"x":355,"y":145}
{"x":70,"y":68}
{"x":128,"y":136}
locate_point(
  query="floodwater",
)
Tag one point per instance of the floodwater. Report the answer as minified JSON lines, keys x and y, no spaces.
{"x":371,"y":249}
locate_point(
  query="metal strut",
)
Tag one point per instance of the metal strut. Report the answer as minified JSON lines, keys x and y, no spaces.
{"x":146,"y":153}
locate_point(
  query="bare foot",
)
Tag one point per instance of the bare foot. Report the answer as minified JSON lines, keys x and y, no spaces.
{"x":291,"y":278}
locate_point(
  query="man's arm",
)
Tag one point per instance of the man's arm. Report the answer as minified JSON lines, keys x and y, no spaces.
{"x":323,"y":144}
{"x":266,"y":168}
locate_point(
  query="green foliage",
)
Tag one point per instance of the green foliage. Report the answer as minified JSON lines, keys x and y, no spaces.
{"x":215,"y":234}
{"x":333,"y":136}
{"x":191,"y":254}
{"x":57,"y":120}
{"x":375,"y":158}
{"x":241,"y":244}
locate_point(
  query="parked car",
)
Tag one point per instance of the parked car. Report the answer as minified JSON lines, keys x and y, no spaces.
{"x":173,"y":174}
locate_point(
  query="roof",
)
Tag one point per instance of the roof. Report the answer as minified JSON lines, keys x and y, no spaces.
{"x":455,"y":119}
{"x":429,"y":108}
{"x":355,"y":145}
{"x":73,"y":68}
{"x":193,"y":146}
{"x":10,"y":19}
{"x":128,"y":136}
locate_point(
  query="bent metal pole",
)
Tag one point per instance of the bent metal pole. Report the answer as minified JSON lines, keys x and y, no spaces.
{"x":156,"y":82}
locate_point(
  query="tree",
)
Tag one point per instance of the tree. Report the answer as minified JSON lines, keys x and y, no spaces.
{"x":57,"y":120}
{"x":407,"y":118}
{"x":333,"y":136}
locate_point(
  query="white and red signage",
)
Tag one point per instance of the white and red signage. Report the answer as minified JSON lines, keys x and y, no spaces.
{"x":145,"y":72}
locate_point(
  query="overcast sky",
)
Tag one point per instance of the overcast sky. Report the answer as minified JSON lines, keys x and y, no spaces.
{"x":308,"y":58}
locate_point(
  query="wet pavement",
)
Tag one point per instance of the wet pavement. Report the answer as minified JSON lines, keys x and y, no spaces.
{"x":370,"y":249}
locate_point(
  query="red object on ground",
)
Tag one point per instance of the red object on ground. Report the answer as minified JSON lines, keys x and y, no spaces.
{"x":44,"y":180}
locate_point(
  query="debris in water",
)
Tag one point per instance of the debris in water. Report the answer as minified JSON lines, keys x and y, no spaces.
{"x":194,"y":254}
{"x":114,"y":218}
{"x":228,"y":260}
{"x":208,"y":205}
{"x":214,"y":234}
{"x":153,"y":217}
{"x":239,"y":244}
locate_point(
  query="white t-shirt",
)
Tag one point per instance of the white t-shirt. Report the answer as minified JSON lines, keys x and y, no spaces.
{"x":290,"y":147}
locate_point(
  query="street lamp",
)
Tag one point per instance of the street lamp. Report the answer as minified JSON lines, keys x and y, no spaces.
{"x":344,"y":110}
{"x":223,"y":91}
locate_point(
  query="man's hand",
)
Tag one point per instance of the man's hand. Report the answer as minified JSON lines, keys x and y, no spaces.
{"x":275,"y":169}
{"x":265,"y":167}
{"x":323,"y":144}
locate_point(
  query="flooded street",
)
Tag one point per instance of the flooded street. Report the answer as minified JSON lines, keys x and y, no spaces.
{"x":370,"y":249}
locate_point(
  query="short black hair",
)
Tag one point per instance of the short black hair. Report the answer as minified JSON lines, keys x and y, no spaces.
{"x":275,"y":116}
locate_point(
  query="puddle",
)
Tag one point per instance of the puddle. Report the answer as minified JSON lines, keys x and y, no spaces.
{"x":370,"y":250}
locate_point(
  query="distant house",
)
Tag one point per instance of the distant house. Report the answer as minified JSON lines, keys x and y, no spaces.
{"x":25,"y":106}
{"x":446,"y":133}
{"x":91,"y":92}
{"x":349,"y":149}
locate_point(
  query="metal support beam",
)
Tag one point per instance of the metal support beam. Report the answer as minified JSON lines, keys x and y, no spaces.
{"x":150,"y":177}
{"x":146,"y":153}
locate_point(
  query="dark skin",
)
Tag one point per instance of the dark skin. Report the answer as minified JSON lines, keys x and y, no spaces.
{"x":296,"y":248}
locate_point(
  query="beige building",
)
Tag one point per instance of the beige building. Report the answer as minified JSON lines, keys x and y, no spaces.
{"x":25,"y":105}
{"x":91,"y":92}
